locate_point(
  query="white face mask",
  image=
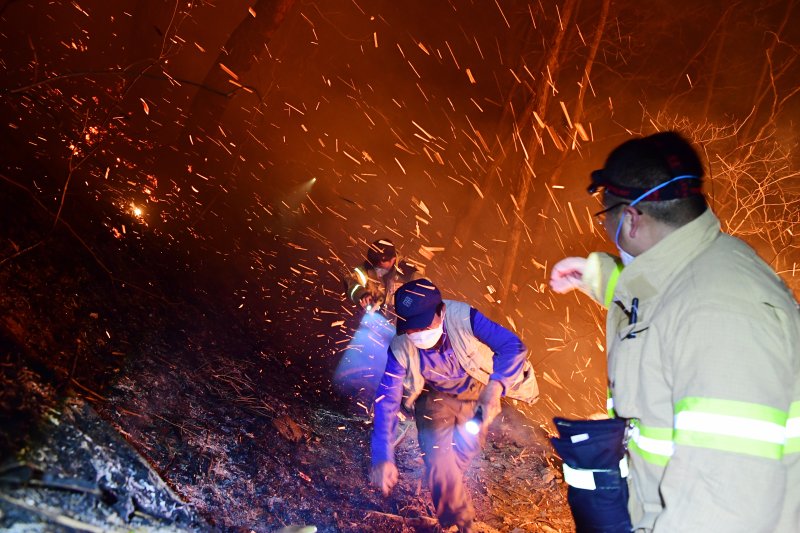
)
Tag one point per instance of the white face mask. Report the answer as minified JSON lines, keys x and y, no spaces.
{"x":381,"y":271}
{"x":627,"y":258}
{"x":427,"y":338}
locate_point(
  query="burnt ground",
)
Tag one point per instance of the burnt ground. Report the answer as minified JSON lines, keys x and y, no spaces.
{"x":133,"y":397}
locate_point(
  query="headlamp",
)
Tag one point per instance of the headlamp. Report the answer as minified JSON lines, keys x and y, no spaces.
{"x":682,"y":186}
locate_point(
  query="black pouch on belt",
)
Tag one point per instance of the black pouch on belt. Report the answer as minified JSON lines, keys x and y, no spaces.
{"x":595,"y":470}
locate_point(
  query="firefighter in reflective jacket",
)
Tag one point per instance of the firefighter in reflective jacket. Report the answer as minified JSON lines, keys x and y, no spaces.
{"x":372,"y":284}
{"x":703,"y":350}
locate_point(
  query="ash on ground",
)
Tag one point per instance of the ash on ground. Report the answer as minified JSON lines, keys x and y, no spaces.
{"x":80,"y":474}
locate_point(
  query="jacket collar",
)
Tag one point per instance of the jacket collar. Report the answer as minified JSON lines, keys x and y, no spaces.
{"x":653,"y":270}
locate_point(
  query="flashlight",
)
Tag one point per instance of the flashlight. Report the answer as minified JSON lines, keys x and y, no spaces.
{"x":473,"y":425}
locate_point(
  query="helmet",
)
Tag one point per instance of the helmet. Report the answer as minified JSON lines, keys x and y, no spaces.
{"x":380,"y":250}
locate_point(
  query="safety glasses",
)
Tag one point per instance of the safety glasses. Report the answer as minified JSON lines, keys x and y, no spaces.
{"x":600,"y":216}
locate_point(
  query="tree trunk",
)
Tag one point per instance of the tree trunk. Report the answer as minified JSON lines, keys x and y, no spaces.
{"x":537,"y":230}
{"x":498,"y":153}
{"x":715,"y":66}
{"x":238,"y":54}
{"x":763,"y":88}
{"x":542,"y":100}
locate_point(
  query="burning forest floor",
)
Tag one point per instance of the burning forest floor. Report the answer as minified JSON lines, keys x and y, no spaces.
{"x":245,"y":458}
{"x":138,"y":405}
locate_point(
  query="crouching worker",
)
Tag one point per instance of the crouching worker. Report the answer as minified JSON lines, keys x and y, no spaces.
{"x":451,"y":362}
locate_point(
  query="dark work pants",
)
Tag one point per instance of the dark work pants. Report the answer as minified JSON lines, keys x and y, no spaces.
{"x":448,"y":450}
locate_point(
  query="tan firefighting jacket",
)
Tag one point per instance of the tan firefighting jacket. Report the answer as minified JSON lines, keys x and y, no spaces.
{"x":364,"y":279}
{"x":709,"y":376}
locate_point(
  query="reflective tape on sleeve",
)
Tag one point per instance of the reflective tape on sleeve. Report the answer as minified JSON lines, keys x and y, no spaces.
{"x":612,"y":285}
{"x":580,"y":479}
{"x":653,"y":444}
{"x":792,"y":444}
{"x":353,"y":290}
{"x":362,"y":277}
{"x":729,"y":425}
{"x":610,"y":405}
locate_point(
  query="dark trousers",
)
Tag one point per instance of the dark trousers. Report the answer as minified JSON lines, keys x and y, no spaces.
{"x":448,"y":450}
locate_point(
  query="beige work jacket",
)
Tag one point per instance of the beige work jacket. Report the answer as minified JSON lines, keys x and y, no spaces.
{"x":709,"y":374}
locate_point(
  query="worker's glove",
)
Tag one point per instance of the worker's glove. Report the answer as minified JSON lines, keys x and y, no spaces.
{"x":489,"y":401}
{"x":366,"y":302}
{"x":384,"y":476}
{"x":567,"y":275}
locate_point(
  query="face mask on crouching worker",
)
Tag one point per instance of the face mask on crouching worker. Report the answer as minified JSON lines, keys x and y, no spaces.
{"x":427,"y":338}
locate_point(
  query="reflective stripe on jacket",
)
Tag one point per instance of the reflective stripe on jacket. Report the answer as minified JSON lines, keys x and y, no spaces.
{"x":710,"y":377}
{"x":364,"y":279}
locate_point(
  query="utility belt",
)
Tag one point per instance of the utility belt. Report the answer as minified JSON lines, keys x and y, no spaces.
{"x":595,"y":470}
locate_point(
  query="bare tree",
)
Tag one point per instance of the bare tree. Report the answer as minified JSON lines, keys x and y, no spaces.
{"x":235,"y":59}
{"x":542,"y":99}
{"x":575,"y":127}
